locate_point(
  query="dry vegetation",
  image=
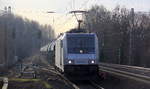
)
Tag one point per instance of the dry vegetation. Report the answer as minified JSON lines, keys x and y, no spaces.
{"x":114,"y":28}
{"x":21,"y":37}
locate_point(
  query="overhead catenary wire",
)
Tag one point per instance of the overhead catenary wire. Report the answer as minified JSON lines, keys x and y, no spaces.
{"x":83,"y":5}
{"x":71,"y":4}
{"x":63,"y":24}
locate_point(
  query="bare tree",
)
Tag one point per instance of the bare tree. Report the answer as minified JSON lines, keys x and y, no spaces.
{"x":22,"y":37}
{"x":113,"y":30}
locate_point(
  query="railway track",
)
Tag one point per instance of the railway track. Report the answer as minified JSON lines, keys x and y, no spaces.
{"x":75,"y":84}
{"x":72,"y":84}
{"x":95,"y":85}
{"x":61,"y":76}
{"x":134,"y":69}
{"x":88,"y":84}
{"x":131,"y":72}
{"x":28,"y":72}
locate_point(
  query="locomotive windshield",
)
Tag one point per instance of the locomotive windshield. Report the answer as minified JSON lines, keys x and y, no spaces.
{"x":81,"y":44}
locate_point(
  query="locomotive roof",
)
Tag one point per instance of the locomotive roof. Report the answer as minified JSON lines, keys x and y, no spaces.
{"x":61,"y":36}
{"x":80,"y":33}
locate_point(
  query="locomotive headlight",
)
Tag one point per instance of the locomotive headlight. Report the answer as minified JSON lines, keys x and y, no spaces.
{"x":69,"y":61}
{"x":92,"y":61}
{"x":81,"y":51}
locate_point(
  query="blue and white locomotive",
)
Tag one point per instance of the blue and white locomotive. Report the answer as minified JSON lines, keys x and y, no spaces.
{"x":77,"y":53}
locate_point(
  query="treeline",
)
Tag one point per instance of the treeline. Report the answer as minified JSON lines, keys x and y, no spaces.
{"x":21,"y":37}
{"x":124,"y":35}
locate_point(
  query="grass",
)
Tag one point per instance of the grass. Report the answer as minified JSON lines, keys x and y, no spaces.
{"x":48,"y":86}
{"x":24,"y":80}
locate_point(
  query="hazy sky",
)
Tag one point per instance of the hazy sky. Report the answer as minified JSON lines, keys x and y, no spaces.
{"x":36,"y":9}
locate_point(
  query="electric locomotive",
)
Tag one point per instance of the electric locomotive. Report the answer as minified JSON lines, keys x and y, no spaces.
{"x":77,"y":53}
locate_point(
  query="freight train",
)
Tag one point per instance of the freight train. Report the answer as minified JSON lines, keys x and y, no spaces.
{"x":76,"y":53}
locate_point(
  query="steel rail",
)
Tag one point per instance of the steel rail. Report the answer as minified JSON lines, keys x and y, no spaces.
{"x":118,"y":72}
{"x":126,"y":66}
{"x":74,"y":86}
{"x":69,"y":82}
{"x":131,"y":69}
{"x":97,"y":86}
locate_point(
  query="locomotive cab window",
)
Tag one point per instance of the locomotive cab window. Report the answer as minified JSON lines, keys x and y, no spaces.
{"x":81,"y":44}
